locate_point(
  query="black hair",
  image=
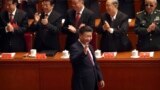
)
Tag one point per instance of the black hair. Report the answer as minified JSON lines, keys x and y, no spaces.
{"x":84,"y":29}
{"x":51,"y":1}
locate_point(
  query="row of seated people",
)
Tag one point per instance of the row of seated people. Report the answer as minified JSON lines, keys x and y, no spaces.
{"x":97,"y":6}
{"x":129,"y":7}
{"x":47,"y":23}
{"x":30,"y":36}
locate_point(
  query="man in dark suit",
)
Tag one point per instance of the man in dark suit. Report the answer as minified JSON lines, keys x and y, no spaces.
{"x":13,"y":24}
{"x":47,"y":26}
{"x":86,"y":72}
{"x":77,"y":17}
{"x":147,"y":27}
{"x":113,"y":27}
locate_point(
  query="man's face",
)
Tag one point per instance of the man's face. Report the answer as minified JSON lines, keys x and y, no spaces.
{"x":10,"y":6}
{"x":150,"y":6}
{"x":47,"y":7}
{"x":109,"y":7}
{"x":86,"y":37}
{"x":77,"y":4}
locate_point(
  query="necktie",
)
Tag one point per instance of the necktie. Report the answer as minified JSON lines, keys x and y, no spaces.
{"x":112,"y":18}
{"x":90,"y":57}
{"x":11,"y":19}
{"x":46,"y":15}
{"x":77,"y":18}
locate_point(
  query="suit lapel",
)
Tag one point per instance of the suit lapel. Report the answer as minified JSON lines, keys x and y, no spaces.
{"x":51,"y":17}
{"x":82,"y":16}
{"x":71,"y":17}
{"x":91,"y":49}
{"x":16,"y":16}
{"x":115,"y":23}
{"x":80,"y":45}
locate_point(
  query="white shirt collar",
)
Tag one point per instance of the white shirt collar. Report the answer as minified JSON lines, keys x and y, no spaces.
{"x":49,"y":13}
{"x":14,"y":12}
{"x":81,"y":43}
{"x":81,"y":10}
{"x":114,"y":17}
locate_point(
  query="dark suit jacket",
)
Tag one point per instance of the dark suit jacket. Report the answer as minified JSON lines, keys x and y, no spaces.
{"x":118,"y":40}
{"x":87,"y":18}
{"x":94,"y":6}
{"x":85,"y":75}
{"x":47,"y":35}
{"x":13,"y":41}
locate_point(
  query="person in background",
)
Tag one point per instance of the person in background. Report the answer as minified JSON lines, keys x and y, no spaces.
{"x":77,"y":17}
{"x":47,"y":26}
{"x":86,"y":72}
{"x":13,"y":24}
{"x":147,"y":27}
{"x":143,"y":4}
{"x":113,"y":28}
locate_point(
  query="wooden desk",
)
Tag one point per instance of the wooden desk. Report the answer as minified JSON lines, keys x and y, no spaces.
{"x":54,"y":73}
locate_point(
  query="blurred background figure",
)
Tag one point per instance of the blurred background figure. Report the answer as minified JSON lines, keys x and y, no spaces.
{"x":13,"y":24}
{"x":143,"y":4}
{"x":147,"y":27}
{"x":113,"y":28}
{"x":76,"y":17}
{"x":47,"y":26}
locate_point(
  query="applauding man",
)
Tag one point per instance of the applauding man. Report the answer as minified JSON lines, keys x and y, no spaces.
{"x":114,"y":27}
{"x":77,"y":17}
{"x":148,"y":27}
{"x":13,"y":24}
{"x":46,"y":25}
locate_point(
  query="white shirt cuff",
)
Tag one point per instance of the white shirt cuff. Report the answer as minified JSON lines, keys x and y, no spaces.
{"x":6,"y":29}
{"x":111,"y":30}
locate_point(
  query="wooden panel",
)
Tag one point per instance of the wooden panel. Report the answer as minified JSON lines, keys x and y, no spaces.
{"x":19,"y":76}
{"x":54,"y":73}
{"x":138,"y":5}
{"x":54,"y":77}
{"x":102,"y":4}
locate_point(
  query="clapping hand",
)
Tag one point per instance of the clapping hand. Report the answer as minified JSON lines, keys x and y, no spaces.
{"x":44,"y":21}
{"x":37,"y":17}
{"x":106,"y":26}
{"x":72,"y":28}
{"x":102,"y":84}
{"x":9,"y":27}
{"x":151,"y":27}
